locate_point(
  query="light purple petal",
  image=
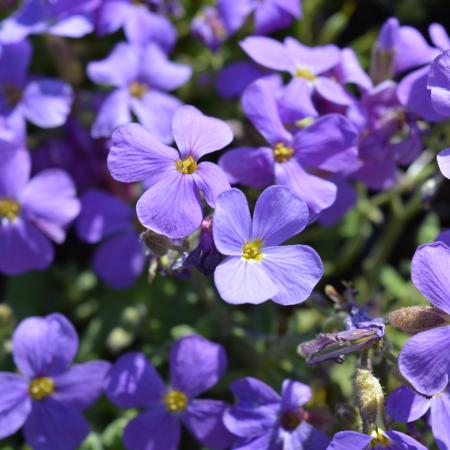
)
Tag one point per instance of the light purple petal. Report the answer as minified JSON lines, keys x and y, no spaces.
{"x":440,"y":418}
{"x":279,"y":215}
{"x":136,"y":155}
{"x":81,"y":385}
{"x":332,"y":91}
{"x":52,"y":425}
{"x":249,"y":166}
{"x":23,"y":248}
{"x":293,"y":7}
{"x":73,"y":27}
{"x":429,"y":272}
{"x":197,"y":134}
{"x":112,"y":15}
{"x":439,"y":83}
{"x":260,"y":106}
{"x":134,"y":382}
{"x":14,"y":171}
{"x":240,"y":281}
{"x":113,"y":112}
{"x":269,"y":17}
{"x":294,"y":395}
{"x":406,"y":405}
{"x":172,"y":206}
{"x":401,"y":440}
{"x":295,"y":270}
{"x":306,"y":437}
{"x":47,"y":103}
{"x":266,"y":441}
{"x":268,"y":53}
{"x":211,"y":180}
{"x":349,"y":440}
{"x":349,"y":70}
{"x":424,"y":360}
{"x":204,"y":420}
{"x":231,"y":222}
{"x":44,"y":346}
{"x":443,"y":160}
{"x":234,"y":13}
{"x":15,"y":403}
{"x":153,"y":429}
{"x":439,"y":36}
{"x":196,"y":365}
{"x":120,"y":260}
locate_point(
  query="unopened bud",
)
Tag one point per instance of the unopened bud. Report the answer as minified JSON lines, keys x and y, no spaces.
{"x":414,"y":319}
{"x":369,"y":397}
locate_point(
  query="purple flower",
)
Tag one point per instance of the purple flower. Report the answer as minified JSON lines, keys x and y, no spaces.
{"x":172,"y":206}
{"x":45,"y":102}
{"x":389,"y":440}
{"x":439,"y":83}
{"x":257,"y":267}
{"x":119,"y":259}
{"x":269,"y":15}
{"x":49,"y":396}
{"x":425,"y":360}
{"x":209,"y":27}
{"x":329,"y":144}
{"x":308,"y":66}
{"x":141,"y":26}
{"x":141,"y":76}
{"x":196,"y":365}
{"x":31,"y":211}
{"x":407,"y":405}
{"x":264,"y":420}
{"x":443,"y":160}
{"x":58,"y":17}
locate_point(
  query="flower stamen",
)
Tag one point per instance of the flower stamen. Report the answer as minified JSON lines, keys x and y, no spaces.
{"x":252,"y":250}
{"x":282,"y":153}
{"x":9,"y":209}
{"x":41,"y":387}
{"x":306,"y":74}
{"x":379,"y":438}
{"x":187,"y":166}
{"x":137,"y":89}
{"x":175,"y":401}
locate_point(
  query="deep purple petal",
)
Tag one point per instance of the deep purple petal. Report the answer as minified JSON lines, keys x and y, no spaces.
{"x":294,"y":395}
{"x":439,"y":83}
{"x":14,"y":61}
{"x":349,"y":440}
{"x":279,"y":214}
{"x":269,"y":17}
{"x":440,"y":418}
{"x":266,"y":441}
{"x":295,"y":270}
{"x":241,"y":281}
{"x":443,"y":160}
{"x":424,"y":360}
{"x":44,"y":346}
{"x":134,"y":382}
{"x":82,"y":384}
{"x":197,"y":134}
{"x":377,"y":175}
{"x":211,"y":180}
{"x":52,"y":425}
{"x":401,"y":441}
{"x":234,"y":13}
{"x":15,"y":404}
{"x":231,"y":222}
{"x":14,"y":171}
{"x":406,"y":405}
{"x":305,"y":436}
{"x":196,"y":365}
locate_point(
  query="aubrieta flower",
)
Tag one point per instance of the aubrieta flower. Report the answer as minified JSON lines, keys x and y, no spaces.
{"x":257,"y":267}
{"x":329,"y":145}
{"x":142,"y":77}
{"x":407,"y":405}
{"x":119,"y":259}
{"x":425,"y":360}
{"x":49,"y":396}
{"x":172,"y":205}
{"x":196,"y":365}
{"x":31,"y":211}
{"x":264,"y":420}
{"x":45,"y":102}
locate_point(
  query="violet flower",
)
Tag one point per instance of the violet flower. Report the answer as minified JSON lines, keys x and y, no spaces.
{"x":425,"y":360}
{"x":119,"y":259}
{"x":31,"y":211}
{"x":257,"y":267}
{"x":142,"y":77}
{"x":49,"y":396}
{"x":172,"y":206}
{"x":196,"y":365}
{"x":45,"y":102}
{"x":407,"y":405}
{"x":264,"y":420}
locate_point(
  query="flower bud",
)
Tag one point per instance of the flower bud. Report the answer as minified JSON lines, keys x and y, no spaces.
{"x":414,"y":319}
{"x":369,"y":397}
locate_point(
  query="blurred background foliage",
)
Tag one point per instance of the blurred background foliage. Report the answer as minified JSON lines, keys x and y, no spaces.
{"x":371,"y":247}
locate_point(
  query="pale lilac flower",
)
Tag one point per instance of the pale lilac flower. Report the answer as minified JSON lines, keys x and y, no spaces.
{"x":257,"y":267}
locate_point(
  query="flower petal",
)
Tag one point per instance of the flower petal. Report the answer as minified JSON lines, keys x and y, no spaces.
{"x":439,"y":36}
{"x":294,"y":395}
{"x":306,"y":436}
{"x":424,"y":360}
{"x":401,"y":440}
{"x":75,"y":26}
{"x":295,"y":270}
{"x":266,"y":441}
{"x":443,"y":160}
{"x":211,"y":181}
{"x":439,"y":83}
{"x":349,"y":440}
{"x":196,"y":365}
{"x":270,"y":17}
{"x":406,"y":405}
{"x":440,"y":418}
{"x":232,"y":222}
{"x":82,"y":384}
{"x":332,"y":91}
{"x":134,"y":383}
{"x":197,"y":134}
{"x":44,"y":346}
{"x":240,"y":281}
{"x":14,"y":171}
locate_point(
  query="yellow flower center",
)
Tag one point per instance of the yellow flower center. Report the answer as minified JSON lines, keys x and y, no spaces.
{"x":175,"y":401}
{"x":137,"y":89}
{"x":252,"y":250}
{"x":41,"y":387}
{"x":9,"y":208}
{"x":301,"y":72}
{"x":282,"y":153}
{"x":379,"y":438}
{"x":187,"y":166}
